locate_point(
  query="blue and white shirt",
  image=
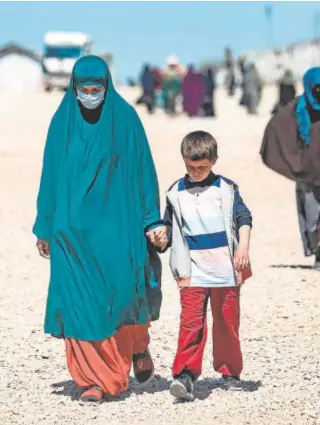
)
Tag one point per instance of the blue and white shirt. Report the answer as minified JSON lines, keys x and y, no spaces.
{"x":203,"y":225}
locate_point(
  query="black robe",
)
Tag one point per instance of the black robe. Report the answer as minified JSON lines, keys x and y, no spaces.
{"x":284,"y":152}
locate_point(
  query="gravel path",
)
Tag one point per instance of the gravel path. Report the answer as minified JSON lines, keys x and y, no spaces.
{"x":280,"y":327}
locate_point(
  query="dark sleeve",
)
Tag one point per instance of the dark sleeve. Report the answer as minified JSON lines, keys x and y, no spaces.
{"x":242,"y":214}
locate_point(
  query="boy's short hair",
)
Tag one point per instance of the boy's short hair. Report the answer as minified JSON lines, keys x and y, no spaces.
{"x":199,"y":145}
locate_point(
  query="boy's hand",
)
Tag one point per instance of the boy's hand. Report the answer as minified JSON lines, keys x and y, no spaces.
{"x":158,"y":237}
{"x":183,"y":282}
{"x":43,"y":248}
{"x":241,"y":258}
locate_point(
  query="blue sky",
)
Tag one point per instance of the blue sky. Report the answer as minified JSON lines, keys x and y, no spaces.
{"x":149,"y":31}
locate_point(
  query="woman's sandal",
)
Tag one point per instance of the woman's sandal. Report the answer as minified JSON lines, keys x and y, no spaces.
{"x":94,"y":395}
{"x":143,"y":367}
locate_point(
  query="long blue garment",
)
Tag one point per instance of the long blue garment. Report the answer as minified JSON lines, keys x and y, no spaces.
{"x":98,"y":195}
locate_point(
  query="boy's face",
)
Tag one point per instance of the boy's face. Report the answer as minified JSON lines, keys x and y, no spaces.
{"x":200,"y":169}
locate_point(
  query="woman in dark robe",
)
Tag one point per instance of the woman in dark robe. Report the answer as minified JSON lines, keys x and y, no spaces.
{"x":97,"y":203}
{"x":241,"y":65}
{"x":291,"y":147}
{"x":287,"y":91}
{"x":252,"y":88}
{"x":230,"y":78}
{"x":148,"y":84}
{"x":210,"y":85}
{"x":193,"y":91}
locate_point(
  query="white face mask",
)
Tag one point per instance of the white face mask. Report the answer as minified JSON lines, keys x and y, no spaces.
{"x":90,"y":101}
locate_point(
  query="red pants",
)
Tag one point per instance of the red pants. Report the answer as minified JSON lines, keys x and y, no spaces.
{"x":193,"y":331}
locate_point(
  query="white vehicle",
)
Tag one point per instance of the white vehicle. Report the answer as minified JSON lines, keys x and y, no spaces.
{"x":61,"y":51}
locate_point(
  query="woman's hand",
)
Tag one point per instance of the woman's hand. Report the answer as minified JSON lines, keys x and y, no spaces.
{"x":158,"y":237}
{"x":43,"y":248}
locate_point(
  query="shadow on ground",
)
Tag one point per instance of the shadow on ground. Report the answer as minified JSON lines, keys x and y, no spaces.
{"x":293,"y":266}
{"x":203,"y":388}
{"x":69,"y":389}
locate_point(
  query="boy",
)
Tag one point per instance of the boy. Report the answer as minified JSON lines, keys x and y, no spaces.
{"x":208,"y":228}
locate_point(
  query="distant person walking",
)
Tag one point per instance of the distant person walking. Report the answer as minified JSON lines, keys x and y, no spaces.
{"x":209,"y":96}
{"x":193,"y":92}
{"x":148,"y":83}
{"x":241,"y":65}
{"x":230,"y":79}
{"x":171,"y":86}
{"x":158,"y":78}
{"x":291,"y":147}
{"x":252,"y":88}
{"x":287,"y":91}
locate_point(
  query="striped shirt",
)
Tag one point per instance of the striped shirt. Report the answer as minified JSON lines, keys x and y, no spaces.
{"x":204,"y":229}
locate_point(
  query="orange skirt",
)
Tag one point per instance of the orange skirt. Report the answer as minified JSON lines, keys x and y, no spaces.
{"x":106,"y":363}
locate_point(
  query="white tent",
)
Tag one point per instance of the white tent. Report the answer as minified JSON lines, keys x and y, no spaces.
{"x":20,"y":69}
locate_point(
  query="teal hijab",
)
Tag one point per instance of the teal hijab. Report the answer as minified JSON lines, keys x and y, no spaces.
{"x":98,"y":196}
{"x":310,"y":79}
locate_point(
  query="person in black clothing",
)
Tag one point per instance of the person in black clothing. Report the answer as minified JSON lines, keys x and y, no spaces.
{"x":231,"y":79}
{"x":148,"y":85}
{"x":290,"y":147}
{"x":210,"y":86}
{"x":241,"y":65}
{"x":287,"y":91}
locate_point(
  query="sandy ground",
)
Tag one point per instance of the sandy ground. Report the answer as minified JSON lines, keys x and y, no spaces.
{"x":280,"y":327}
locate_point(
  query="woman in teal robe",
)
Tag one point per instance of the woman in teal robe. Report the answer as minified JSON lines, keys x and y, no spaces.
{"x":98,"y":198}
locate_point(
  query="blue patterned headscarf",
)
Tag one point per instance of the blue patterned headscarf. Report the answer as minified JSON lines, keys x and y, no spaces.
{"x":310,"y":80}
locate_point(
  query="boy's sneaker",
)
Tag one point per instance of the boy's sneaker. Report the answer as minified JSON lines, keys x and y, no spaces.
{"x":182,"y":388}
{"x":231,"y":382}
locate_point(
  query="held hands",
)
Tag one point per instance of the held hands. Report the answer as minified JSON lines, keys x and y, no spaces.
{"x":158,"y":237}
{"x":43,"y":248}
